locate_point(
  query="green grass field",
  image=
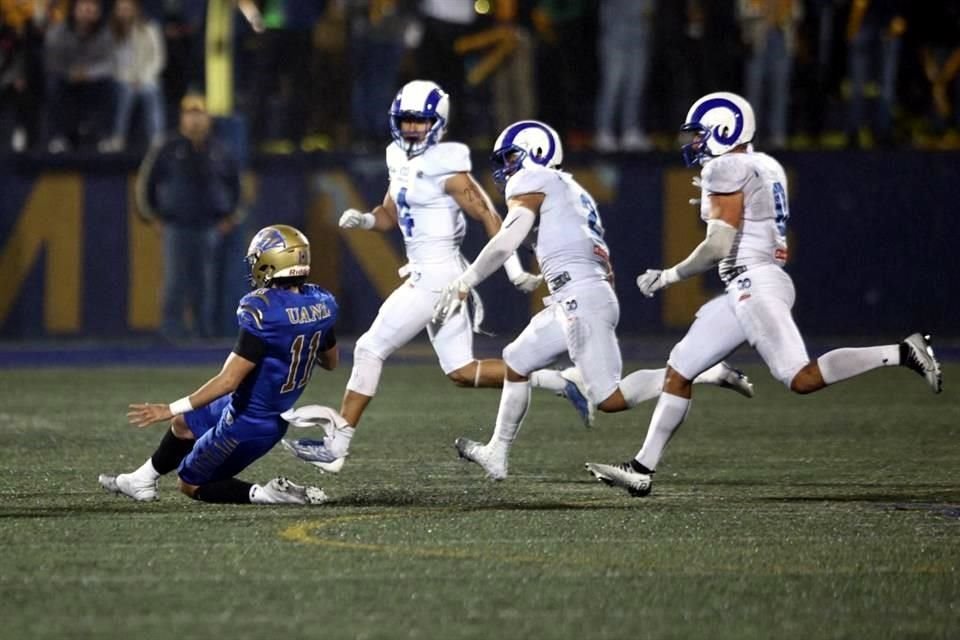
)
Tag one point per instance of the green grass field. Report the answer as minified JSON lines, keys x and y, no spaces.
{"x":828,"y":516}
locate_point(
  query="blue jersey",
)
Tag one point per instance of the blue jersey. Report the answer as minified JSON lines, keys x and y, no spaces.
{"x":295,"y":328}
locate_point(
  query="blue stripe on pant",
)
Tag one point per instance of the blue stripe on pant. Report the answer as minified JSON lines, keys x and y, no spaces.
{"x":226,"y":445}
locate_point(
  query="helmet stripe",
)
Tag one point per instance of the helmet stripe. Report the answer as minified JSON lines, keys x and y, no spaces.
{"x":721,"y":103}
{"x":532,"y":124}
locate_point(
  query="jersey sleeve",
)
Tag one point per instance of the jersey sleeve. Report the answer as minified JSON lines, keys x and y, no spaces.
{"x":446,"y":158}
{"x":527,"y":181}
{"x":727,"y":174}
{"x":252,"y":313}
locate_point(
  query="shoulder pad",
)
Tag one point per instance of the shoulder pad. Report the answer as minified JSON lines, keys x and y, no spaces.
{"x":252,"y":310}
{"x":726,"y":174}
{"x":394,"y":155}
{"x":528,"y":180}
{"x":446,"y":157}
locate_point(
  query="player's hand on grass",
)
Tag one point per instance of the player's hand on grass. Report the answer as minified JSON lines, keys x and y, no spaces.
{"x":143,"y":415}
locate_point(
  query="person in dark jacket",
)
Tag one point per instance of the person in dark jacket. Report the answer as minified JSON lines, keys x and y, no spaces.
{"x":190,"y":184}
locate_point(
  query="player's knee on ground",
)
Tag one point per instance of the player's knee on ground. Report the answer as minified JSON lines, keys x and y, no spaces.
{"x":367,"y":367}
{"x":189,"y":490}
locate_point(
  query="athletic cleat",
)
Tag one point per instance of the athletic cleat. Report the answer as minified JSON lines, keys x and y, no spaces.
{"x":736,"y":380}
{"x":576,"y":392}
{"x":916,"y":353}
{"x":316,"y":453}
{"x":282,"y":491}
{"x":622,"y":475}
{"x":128,"y":485}
{"x":475,"y":452}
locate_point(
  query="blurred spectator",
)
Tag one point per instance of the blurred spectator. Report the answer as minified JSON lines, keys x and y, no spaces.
{"x":444,"y":21}
{"x":513,"y":82}
{"x":282,"y":71}
{"x":140,"y":57}
{"x":567,"y":31}
{"x":191,"y":185}
{"x":816,"y":75}
{"x":80,"y":70}
{"x":874,"y":33}
{"x":679,"y":68}
{"x":769,"y":32}
{"x":939,"y":28}
{"x":183,"y":44}
{"x":377,"y":29}
{"x":624,"y":38}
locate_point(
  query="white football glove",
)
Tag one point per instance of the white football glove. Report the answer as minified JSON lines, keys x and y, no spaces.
{"x":449,"y":302}
{"x":527,"y":282}
{"x":353,"y":219}
{"x":651,"y":281}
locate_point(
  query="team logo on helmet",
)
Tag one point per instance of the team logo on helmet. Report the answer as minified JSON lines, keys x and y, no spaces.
{"x":719,"y":122}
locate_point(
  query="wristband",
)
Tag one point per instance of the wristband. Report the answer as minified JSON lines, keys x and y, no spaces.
{"x":367,"y":220}
{"x":181,"y":406}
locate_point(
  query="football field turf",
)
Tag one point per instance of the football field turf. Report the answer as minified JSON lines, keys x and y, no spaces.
{"x":829,"y":516}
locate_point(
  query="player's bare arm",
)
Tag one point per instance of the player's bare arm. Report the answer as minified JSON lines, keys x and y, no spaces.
{"x":234,"y":370}
{"x":473,"y":201}
{"x":329,"y":359}
{"x":531,"y":201}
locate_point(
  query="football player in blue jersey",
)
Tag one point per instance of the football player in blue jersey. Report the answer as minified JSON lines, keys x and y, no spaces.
{"x":286,"y":326}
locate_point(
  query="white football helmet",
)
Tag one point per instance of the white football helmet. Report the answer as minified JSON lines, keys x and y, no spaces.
{"x":419,"y":100}
{"x":523,"y":140}
{"x":719,"y":122}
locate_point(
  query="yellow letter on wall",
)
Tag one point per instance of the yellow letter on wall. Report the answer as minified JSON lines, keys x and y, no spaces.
{"x":51,"y":220}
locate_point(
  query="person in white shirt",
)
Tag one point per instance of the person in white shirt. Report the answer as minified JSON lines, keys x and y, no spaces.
{"x":140,"y":56}
{"x":582,"y":311}
{"x":745,"y":206}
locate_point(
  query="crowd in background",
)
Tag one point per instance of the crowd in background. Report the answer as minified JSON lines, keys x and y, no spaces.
{"x":610,"y":75}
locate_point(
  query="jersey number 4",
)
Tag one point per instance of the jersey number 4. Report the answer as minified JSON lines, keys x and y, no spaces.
{"x":406,"y":220}
{"x":296,"y":352}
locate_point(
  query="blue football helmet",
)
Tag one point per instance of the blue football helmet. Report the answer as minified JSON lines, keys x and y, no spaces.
{"x":419,"y":100}
{"x":525,"y":140}
{"x":719,"y":122}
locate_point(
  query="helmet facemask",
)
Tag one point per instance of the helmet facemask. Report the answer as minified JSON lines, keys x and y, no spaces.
{"x":506,"y":162}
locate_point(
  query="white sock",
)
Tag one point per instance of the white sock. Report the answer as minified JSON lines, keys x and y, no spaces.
{"x":339,"y":443}
{"x":642,"y":385}
{"x":841,"y":364}
{"x":549,"y":379}
{"x":514,"y":401}
{"x":147,"y":472}
{"x":667,"y":417}
{"x":256,"y":496}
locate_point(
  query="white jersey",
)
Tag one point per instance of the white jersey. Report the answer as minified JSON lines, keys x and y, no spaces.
{"x":762,"y":237}
{"x":569,"y":241}
{"x":430,"y":220}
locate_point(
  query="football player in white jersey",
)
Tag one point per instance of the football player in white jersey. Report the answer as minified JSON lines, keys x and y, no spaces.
{"x":430,"y":190}
{"x":582,"y":312}
{"x":744,"y":204}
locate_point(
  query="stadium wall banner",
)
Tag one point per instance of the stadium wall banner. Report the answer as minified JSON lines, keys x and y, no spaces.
{"x":871,"y":243}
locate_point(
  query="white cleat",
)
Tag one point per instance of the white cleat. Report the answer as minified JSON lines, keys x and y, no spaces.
{"x":576,"y":393}
{"x":316,"y":453}
{"x":916,"y":353}
{"x":495,"y":467}
{"x":736,"y":380}
{"x":282,"y":491}
{"x":128,"y":485}
{"x":622,"y":475}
